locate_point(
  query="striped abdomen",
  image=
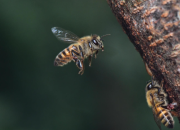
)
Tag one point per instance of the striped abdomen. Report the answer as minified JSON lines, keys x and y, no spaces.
{"x":63,"y":57}
{"x":165,"y":117}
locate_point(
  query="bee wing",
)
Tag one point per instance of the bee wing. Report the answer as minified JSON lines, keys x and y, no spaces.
{"x":64,"y":35}
{"x":157,"y":120}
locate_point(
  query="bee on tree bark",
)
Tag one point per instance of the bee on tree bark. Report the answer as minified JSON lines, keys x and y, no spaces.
{"x":157,"y":100}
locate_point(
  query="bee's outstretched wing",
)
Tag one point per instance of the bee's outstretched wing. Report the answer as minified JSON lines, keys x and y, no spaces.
{"x":64,"y":35}
{"x":157,"y":120}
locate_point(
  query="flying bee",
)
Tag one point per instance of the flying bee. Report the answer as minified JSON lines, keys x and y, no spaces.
{"x":81,"y":48}
{"x":157,"y":99}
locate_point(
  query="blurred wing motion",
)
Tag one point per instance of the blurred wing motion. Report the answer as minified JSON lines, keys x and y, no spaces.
{"x":64,"y":35}
{"x":154,"y":109}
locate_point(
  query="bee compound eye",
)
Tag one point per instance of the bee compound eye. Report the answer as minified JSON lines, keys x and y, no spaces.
{"x":95,"y":42}
{"x":149,"y":86}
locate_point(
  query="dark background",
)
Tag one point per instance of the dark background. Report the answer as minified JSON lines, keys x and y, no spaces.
{"x":36,"y":95}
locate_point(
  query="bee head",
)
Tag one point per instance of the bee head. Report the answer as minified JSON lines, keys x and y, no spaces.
{"x":97,"y":42}
{"x":153,"y":84}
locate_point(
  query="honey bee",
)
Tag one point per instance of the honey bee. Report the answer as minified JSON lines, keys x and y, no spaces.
{"x":80,"y":49}
{"x":157,"y":99}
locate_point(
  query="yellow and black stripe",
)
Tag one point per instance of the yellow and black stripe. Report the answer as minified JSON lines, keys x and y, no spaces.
{"x":165,"y":117}
{"x":63,"y":57}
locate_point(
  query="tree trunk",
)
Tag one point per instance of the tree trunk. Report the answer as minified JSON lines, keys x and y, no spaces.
{"x":153,"y":26}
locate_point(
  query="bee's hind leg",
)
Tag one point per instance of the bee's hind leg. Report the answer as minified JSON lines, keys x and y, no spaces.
{"x":80,"y":65}
{"x":81,"y":52}
{"x":78,"y":58}
{"x":90,"y":60}
{"x":96,"y":54}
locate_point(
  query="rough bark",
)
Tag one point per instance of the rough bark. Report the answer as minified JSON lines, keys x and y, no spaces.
{"x":153,"y":26}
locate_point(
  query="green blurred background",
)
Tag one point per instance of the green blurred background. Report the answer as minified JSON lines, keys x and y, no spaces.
{"x":36,"y":95}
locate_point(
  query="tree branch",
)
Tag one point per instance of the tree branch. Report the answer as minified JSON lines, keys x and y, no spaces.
{"x":153,"y":26}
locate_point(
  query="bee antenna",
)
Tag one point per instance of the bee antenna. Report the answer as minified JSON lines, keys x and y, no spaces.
{"x":105,"y":35}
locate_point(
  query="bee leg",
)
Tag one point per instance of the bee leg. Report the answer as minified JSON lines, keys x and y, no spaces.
{"x":79,"y":62}
{"x":90,"y":46}
{"x":90,"y":60}
{"x":81,"y":52}
{"x":161,"y":95}
{"x":80,"y":65}
{"x":159,"y":90}
{"x":96,"y":54}
{"x":74,"y":55}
